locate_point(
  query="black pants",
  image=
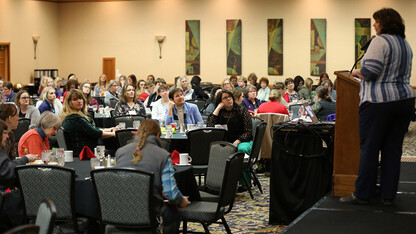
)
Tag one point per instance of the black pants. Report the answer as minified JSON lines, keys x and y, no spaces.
{"x":382,"y":128}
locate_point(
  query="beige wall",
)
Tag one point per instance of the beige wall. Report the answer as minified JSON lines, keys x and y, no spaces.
{"x":76,"y":36}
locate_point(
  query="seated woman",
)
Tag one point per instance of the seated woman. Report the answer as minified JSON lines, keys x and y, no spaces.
{"x":332,"y":92}
{"x":324,"y":105}
{"x":281,"y":87}
{"x":149,"y":88}
{"x":291,"y":95}
{"x":101,"y":85}
{"x":128,"y":104}
{"x":196,"y":86}
{"x":323,"y":76}
{"x":36,"y":141}
{"x":57,"y":84}
{"x":91,"y":102}
{"x":48,"y":102}
{"x":71,"y":84}
{"x":211,"y":101}
{"x":111,"y":93}
{"x":10,"y":115}
{"x":181,"y":111}
{"x":274,"y":105}
{"x":238,"y":96}
{"x":25,"y":107}
{"x":306,"y":90}
{"x":7,"y":166}
{"x":252,"y":80}
{"x":161,"y":105}
{"x":226,"y":84}
{"x":250,"y":101}
{"x":146,"y":153}
{"x":186,"y":87}
{"x":237,"y":119}
{"x":79,"y":126}
{"x":264,"y":91}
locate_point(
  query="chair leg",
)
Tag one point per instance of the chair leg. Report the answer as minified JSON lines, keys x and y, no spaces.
{"x":256,"y":180}
{"x":248,"y":187}
{"x":227,"y":228}
{"x":184,"y":226}
{"x":205,"y":228}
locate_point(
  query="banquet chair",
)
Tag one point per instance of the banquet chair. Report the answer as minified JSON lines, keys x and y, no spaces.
{"x":270,"y":119}
{"x":46,"y":216}
{"x":124,"y":136}
{"x":22,"y":128}
{"x":199,"y":145}
{"x":207,"y":213}
{"x":255,"y":120}
{"x":24,"y":229}
{"x":113,"y":102}
{"x":40,"y":182}
{"x":255,"y":150}
{"x":124,"y":196}
{"x":199,"y":103}
{"x":60,"y":137}
{"x":218,"y":155}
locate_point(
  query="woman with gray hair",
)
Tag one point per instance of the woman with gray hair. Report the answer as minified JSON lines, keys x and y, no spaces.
{"x":36,"y":141}
{"x":111,"y":92}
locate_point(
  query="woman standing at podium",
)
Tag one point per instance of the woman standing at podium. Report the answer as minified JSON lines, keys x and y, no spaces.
{"x":386,"y":107}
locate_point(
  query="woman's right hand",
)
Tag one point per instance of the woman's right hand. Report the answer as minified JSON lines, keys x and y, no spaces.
{"x":31,"y":157}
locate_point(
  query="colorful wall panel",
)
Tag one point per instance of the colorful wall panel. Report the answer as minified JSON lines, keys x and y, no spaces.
{"x":233,"y":29}
{"x":192,"y":47}
{"x":318,"y":46}
{"x":275,"y":46}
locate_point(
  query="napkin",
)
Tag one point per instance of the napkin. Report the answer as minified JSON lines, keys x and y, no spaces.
{"x":174,"y":156}
{"x":86,"y":153}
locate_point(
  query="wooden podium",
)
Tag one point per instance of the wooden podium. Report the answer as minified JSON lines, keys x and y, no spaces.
{"x":347,"y":134}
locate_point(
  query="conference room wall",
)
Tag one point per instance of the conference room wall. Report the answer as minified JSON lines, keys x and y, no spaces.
{"x":87,"y":32}
{"x":19,"y":21}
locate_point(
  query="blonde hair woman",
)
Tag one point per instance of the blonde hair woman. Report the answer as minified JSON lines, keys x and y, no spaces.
{"x":273,"y":105}
{"x":183,"y":84}
{"x":57,"y":84}
{"x":101,"y":86}
{"x":49,"y":102}
{"x":79,"y":125}
{"x":226,"y":85}
{"x":146,"y":153}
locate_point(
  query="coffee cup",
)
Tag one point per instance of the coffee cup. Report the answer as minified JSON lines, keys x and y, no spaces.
{"x":69,"y":156}
{"x":184,"y":159}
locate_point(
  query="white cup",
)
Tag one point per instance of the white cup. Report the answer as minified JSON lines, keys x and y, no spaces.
{"x":184,"y":159}
{"x":69,"y":156}
{"x":122,"y":125}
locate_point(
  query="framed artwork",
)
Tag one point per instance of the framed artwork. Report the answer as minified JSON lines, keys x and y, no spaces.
{"x":318,"y":46}
{"x":275,"y":46}
{"x":362,"y":35}
{"x":192,"y":47}
{"x":233,"y":29}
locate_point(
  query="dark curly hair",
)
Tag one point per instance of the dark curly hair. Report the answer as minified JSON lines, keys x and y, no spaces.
{"x":390,"y":21}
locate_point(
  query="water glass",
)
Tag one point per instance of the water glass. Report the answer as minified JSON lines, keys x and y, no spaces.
{"x":95,"y":162}
{"x":136,"y":124}
{"x":200,"y":124}
{"x":122,"y":125}
{"x":60,"y":156}
{"x":100,"y":151}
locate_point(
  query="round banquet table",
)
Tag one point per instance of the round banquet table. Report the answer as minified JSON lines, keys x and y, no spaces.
{"x":178,"y":142}
{"x":86,"y":203}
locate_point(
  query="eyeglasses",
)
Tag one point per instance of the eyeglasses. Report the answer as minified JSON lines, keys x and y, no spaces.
{"x":226,"y":98}
{"x":251,"y":91}
{"x":24,"y":98}
{"x":88,"y":87}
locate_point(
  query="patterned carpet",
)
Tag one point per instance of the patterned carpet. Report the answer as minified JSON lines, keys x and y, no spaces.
{"x":252,"y":216}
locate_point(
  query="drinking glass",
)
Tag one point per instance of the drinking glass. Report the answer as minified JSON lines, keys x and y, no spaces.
{"x":101,"y":153}
{"x":51,"y":157}
{"x":122,"y":125}
{"x":60,"y":156}
{"x":136,"y":124}
{"x":95,"y":162}
{"x":200,"y":124}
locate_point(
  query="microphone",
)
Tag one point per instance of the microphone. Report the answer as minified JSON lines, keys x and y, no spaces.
{"x":366,"y":45}
{"x":364,"y":48}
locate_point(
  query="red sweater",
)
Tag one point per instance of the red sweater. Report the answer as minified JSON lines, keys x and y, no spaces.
{"x":272,"y":107}
{"x":32,"y":143}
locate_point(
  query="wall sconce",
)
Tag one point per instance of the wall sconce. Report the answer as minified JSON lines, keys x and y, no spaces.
{"x":160,"y":39}
{"x":35,"y":41}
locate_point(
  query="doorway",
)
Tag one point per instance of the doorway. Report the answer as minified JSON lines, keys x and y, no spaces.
{"x":109,"y":68}
{"x":5,"y":61}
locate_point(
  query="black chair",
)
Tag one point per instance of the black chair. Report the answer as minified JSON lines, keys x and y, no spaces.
{"x":40,"y":182}
{"x":124,"y":136}
{"x":60,"y":137}
{"x":254,"y":154}
{"x":218,"y":155}
{"x":100,"y":100}
{"x":46,"y":216}
{"x":128,"y":119}
{"x":199,"y":103}
{"x":24,"y":229}
{"x":113,"y":102}
{"x":124,"y":196}
{"x":199,"y":146}
{"x":22,"y":128}
{"x":207,"y":213}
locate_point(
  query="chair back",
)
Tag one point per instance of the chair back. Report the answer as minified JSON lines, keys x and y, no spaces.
{"x":257,"y":142}
{"x":255,"y":120}
{"x":200,"y":143}
{"x":45,"y":218}
{"x":60,"y":137}
{"x":199,"y":103}
{"x":40,"y":182}
{"x":270,"y":119}
{"x":22,"y":128}
{"x":113,"y":102}
{"x":24,"y":229}
{"x":124,"y":197}
{"x":124,"y":136}
{"x":218,"y":155}
{"x":232,"y":173}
